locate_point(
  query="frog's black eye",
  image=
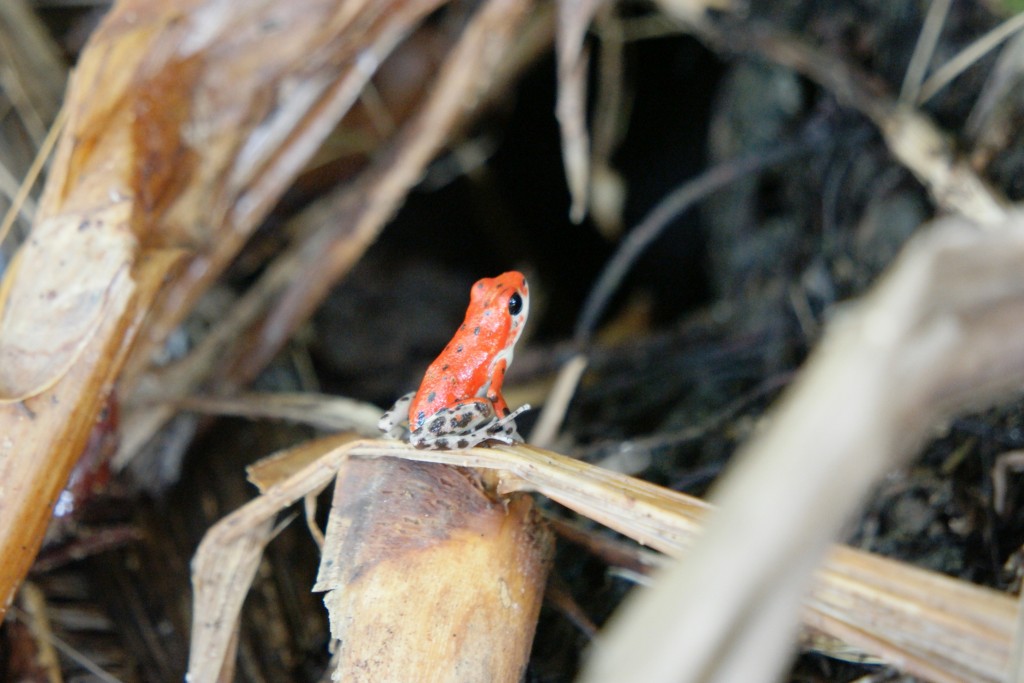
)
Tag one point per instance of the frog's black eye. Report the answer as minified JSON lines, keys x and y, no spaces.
{"x":515,"y":304}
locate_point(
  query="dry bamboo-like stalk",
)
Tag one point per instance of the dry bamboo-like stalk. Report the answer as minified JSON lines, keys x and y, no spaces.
{"x":430,"y":578}
{"x":924,"y":623}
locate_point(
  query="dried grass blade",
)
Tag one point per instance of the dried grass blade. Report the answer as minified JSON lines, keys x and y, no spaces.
{"x":574,"y":16}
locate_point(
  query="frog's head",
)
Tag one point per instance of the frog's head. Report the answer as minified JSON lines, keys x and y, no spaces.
{"x":504,"y":304}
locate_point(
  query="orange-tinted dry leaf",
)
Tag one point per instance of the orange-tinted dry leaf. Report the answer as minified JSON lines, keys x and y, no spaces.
{"x":185,"y":123}
{"x":42,"y":436}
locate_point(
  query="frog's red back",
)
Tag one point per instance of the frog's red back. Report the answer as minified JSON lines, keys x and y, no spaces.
{"x":473,"y":363}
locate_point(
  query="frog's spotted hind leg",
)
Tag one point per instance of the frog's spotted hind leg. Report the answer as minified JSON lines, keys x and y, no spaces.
{"x":505,"y":429}
{"x":464,"y":425}
{"x":392,"y":423}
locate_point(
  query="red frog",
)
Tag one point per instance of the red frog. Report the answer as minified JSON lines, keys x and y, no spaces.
{"x":459,"y":403}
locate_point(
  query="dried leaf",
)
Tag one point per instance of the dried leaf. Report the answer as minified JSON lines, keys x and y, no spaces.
{"x":932,"y":625}
{"x":220,"y":583}
{"x":275,"y":468}
{"x":942,"y":332}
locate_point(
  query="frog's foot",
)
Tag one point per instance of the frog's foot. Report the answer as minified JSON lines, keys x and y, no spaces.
{"x":505,"y":429}
{"x":394,"y":422}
